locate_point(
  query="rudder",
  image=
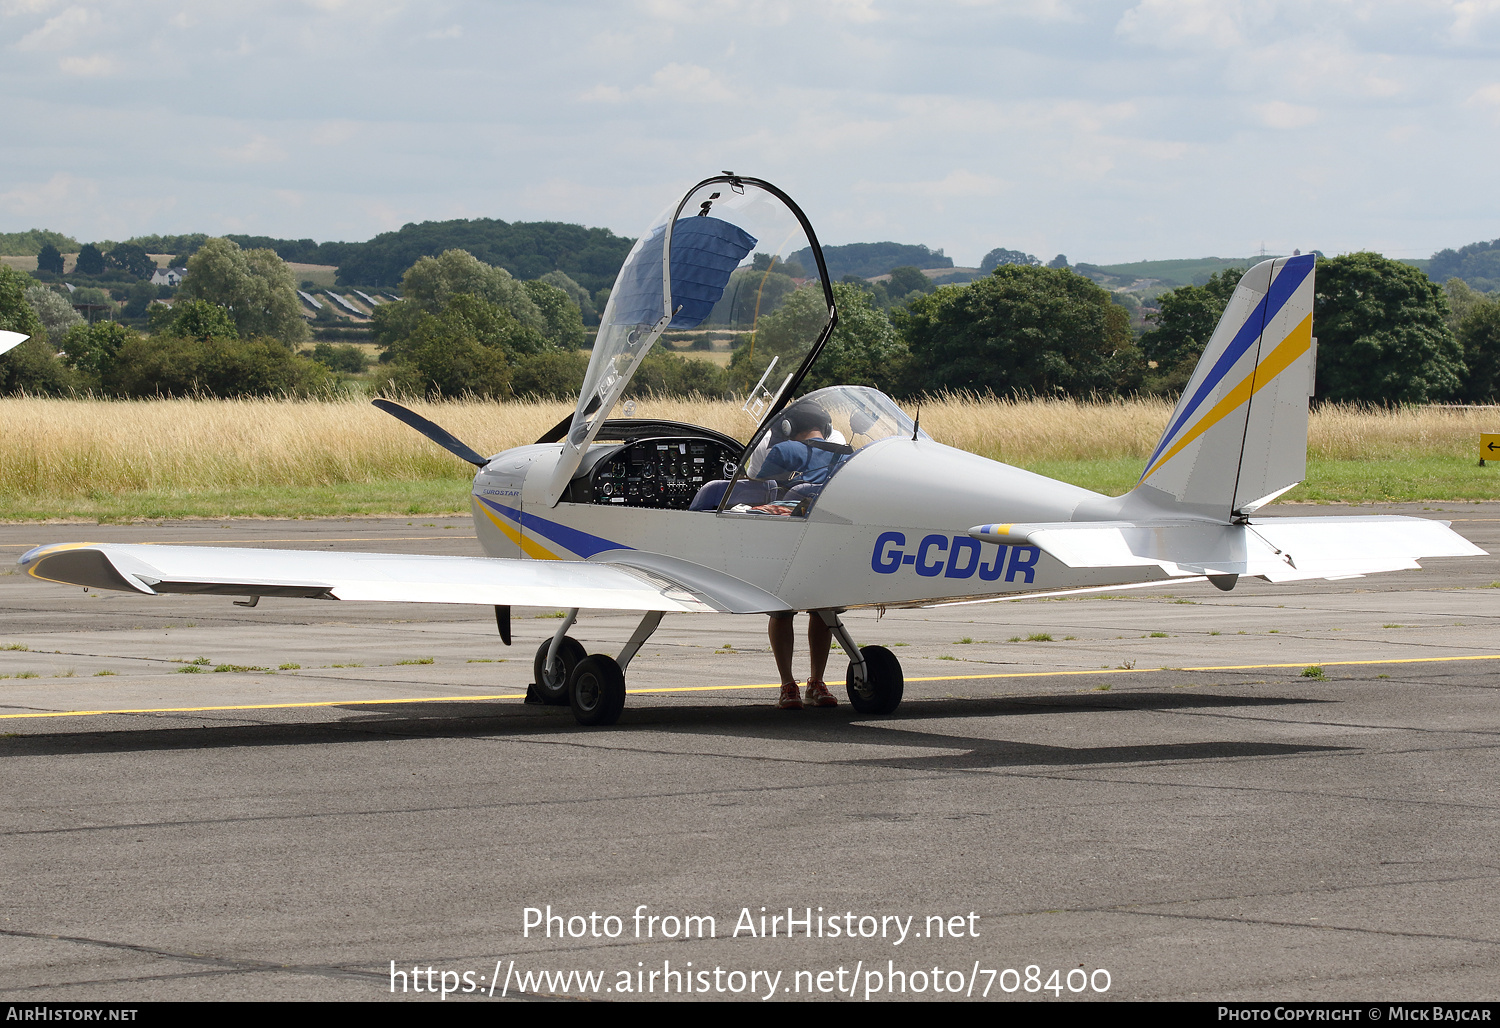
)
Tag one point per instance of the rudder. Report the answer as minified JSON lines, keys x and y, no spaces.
{"x":1238,"y":436}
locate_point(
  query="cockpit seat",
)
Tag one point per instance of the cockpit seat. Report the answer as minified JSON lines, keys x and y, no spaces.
{"x":745,"y":491}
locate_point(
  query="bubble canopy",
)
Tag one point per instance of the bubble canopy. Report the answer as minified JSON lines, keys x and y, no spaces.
{"x":722,"y":258}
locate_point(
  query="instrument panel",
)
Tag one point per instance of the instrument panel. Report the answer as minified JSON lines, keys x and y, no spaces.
{"x":659,"y":473}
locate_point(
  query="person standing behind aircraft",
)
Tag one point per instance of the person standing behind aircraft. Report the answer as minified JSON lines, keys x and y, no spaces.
{"x":808,"y":468}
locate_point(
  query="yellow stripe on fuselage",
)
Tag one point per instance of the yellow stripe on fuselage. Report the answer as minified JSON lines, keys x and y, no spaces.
{"x":529,"y":547}
{"x":1281,"y":358}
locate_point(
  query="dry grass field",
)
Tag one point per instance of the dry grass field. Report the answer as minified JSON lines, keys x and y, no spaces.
{"x":170,"y":458}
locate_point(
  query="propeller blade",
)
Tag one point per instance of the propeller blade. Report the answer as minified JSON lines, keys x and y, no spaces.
{"x":437,"y":434}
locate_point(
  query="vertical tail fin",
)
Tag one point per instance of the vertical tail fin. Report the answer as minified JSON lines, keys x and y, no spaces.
{"x":1238,"y":437}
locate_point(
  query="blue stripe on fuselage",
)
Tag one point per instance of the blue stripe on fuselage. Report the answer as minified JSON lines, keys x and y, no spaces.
{"x":581,"y":543}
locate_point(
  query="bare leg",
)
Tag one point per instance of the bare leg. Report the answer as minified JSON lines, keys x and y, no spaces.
{"x":819,"y":638}
{"x":782,"y":641}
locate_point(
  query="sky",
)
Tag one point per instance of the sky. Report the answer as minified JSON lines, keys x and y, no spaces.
{"x":1109,"y":131}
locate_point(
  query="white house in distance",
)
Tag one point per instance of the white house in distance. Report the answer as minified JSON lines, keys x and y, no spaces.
{"x":168,"y":277}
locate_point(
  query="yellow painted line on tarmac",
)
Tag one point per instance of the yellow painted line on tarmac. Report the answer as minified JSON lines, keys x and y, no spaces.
{"x":264,"y":706}
{"x":753,"y":685}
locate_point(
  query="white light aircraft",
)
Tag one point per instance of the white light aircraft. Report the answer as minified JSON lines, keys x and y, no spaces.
{"x":838,"y":500}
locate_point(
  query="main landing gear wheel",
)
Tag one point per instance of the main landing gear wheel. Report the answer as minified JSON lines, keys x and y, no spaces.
{"x":881,"y":692}
{"x":552,"y":683}
{"x":596,"y":690}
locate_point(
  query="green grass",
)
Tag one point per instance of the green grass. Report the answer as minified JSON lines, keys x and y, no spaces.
{"x":422,"y":496}
{"x":1395,"y":479}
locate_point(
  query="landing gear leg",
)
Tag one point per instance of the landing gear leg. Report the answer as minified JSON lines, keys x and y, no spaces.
{"x":643,"y":631}
{"x":596,"y":687}
{"x":554,"y":663}
{"x":875,"y":682}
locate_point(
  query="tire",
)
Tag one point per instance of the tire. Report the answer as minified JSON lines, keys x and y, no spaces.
{"x":882,"y":694}
{"x":553,"y":689}
{"x":596,"y":690}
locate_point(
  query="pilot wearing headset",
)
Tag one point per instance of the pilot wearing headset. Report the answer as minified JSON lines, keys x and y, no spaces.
{"x":803,"y":453}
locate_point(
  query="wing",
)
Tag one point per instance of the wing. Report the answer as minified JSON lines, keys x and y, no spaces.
{"x":623,"y":580}
{"x":10,"y":340}
{"x":1277,"y":549}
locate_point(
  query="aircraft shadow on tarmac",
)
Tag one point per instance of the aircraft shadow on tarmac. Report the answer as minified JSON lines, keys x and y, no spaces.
{"x":376,"y":723}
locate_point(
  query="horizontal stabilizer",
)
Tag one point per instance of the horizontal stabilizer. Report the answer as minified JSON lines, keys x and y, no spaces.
{"x":1277,"y":549}
{"x":647,"y":582}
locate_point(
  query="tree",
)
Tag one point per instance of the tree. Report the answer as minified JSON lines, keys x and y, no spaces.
{"x":139,"y":298}
{"x":93,"y":349}
{"x":1184,"y":322}
{"x":255,"y":286}
{"x":1461,"y":301}
{"x":1021,"y":329}
{"x":1382,"y":335}
{"x":49,"y":259}
{"x":30,"y":367}
{"x":132,"y":259}
{"x":865,"y":348}
{"x":432,"y":280}
{"x":466,"y":347}
{"x":667,"y":374}
{"x":55,"y":313}
{"x":576,"y":293}
{"x":192,"y":319}
{"x":1060,"y":261}
{"x":562,"y":316}
{"x":176,"y":366}
{"x":90,"y":261}
{"x":1000,"y":256}
{"x":905,"y":281}
{"x":1479,"y":335}
{"x":347,"y":358}
{"x":550,"y":375}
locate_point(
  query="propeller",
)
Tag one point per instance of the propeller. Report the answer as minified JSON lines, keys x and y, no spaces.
{"x":437,"y":434}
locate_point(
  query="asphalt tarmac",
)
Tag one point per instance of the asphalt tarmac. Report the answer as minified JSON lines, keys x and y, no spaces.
{"x":1282,"y":792}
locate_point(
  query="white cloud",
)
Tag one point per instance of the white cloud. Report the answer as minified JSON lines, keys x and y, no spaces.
{"x":258,"y":150}
{"x":1487,"y":99}
{"x":42,"y":198}
{"x":691,"y":83}
{"x":96,"y":66}
{"x":59,"y":32}
{"x":1278,"y":114}
{"x":1182,"y":23}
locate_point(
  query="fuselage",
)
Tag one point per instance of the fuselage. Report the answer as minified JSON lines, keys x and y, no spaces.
{"x":891,"y":528}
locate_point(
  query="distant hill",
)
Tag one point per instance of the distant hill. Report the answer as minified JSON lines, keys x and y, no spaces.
{"x":1167,"y":274}
{"x":590,"y":256}
{"x":866,"y":260}
{"x":1478,"y":264}
{"x":30,"y":243}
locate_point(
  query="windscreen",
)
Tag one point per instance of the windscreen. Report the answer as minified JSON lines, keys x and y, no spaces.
{"x":731,"y":263}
